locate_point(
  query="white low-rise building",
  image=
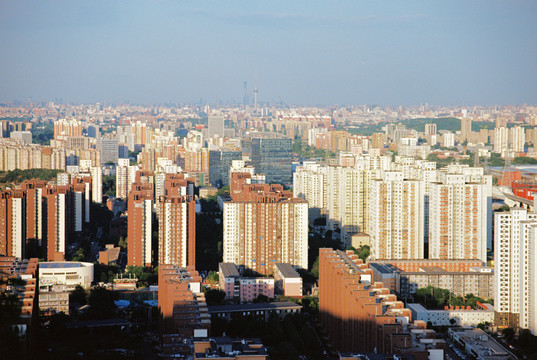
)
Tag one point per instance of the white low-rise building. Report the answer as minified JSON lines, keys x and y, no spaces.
{"x":68,"y":273}
{"x":461,"y":317}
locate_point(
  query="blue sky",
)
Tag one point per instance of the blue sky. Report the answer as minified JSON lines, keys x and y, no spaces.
{"x":302,"y":52}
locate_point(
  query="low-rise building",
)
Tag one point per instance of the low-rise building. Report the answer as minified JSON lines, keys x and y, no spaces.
{"x":54,"y":299}
{"x":227,"y":348}
{"x":243,"y":289}
{"x":479,"y":345}
{"x":476,"y":280}
{"x":260,"y":310}
{"x":68,"y":273}
{"x":461,"y":316}
{"x":286,"y":280}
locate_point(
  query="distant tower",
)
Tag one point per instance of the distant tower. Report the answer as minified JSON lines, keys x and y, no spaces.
{"x":255,"y":95}
{"x":245,"y":98}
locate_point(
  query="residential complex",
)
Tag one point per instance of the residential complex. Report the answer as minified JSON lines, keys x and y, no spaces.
{"x":264,"y":225}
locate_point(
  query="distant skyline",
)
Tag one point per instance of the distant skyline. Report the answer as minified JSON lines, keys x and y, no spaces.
{"x":301,"y":52}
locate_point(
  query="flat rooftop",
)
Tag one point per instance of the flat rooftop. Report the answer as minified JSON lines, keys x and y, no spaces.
{"x":384,"y":268}
{"x":63,"y":265}
{"x":253,"y":307}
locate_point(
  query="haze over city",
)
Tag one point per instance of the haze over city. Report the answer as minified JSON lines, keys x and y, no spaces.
{"x":303,"y":52}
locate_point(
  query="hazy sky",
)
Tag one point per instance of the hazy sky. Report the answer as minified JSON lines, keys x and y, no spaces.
{"x":302,"y":52}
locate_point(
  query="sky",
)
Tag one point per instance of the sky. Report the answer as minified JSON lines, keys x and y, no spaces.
{"x":299,"y":52}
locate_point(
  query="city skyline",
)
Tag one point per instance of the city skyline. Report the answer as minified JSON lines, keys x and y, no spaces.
{"x":300,"y":53}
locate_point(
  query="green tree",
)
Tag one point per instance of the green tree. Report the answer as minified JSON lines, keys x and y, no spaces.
{"x":214,"y":297}
{"x":79,"y":295}
{"x":101,"y":302}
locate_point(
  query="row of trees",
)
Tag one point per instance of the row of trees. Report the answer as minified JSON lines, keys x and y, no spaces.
{"x":287,"y":339}
{"x":18,"y":176}
{"x":436,"y":298}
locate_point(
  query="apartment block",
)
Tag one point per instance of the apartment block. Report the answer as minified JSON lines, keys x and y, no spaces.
{"x":264,"y":225}
{"x":287,"y":281}
{"x":181,"y":303}
{"x":396,"y":214}
{"x":177,"y":230}
{"x":359,"y":316}
{"x":459,"y":218}
{"x":515,"y":246}
{"x":140,"y":219}
{"x":243,"y":289}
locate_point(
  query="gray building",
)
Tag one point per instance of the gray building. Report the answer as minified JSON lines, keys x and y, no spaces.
{"x":478,"y":281}
{"x":219,"y":164}
{"x":109,"y":150}
{"x":272,"y":155}
{"x":215,"y":126}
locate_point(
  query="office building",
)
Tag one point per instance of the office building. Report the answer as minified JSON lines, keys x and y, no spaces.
{"x":109,"y":151}
{"x":219,"y":163}
{"x":272,"y":155}
{"x":140,"y":222}
{"x":215,"y":126}
{"x":264,"y":225}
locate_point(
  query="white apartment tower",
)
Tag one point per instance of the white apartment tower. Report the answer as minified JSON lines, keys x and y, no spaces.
{"x":515,"y":271}
{"x":458,"y":217}
{"x":396,"y":213}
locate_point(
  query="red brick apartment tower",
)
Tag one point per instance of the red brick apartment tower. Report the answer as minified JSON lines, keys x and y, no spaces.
{"x":13,"y":223}
{"x":264,"y":225}
{"x":177,"y":224}
{"x":35,"y":189}
{"x":54,"y":211}
{"x":358,"y":316}
{"x":140,"y":213}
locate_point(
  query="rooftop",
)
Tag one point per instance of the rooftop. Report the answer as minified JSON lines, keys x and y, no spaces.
{"x":253,"y":307}
{"x":229,"y":269}
{"x":63,"y":265}
{"x":287,"y":270}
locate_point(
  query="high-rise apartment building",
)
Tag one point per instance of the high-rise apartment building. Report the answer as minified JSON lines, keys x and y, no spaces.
{"x":517,"y":139}
{"x":65,"y":128}
{"x":501,"y":140}
{"x":459,"y":217}
{"x":396,"y":213}
{"x":263,"y":225}
{"x":309,"y":183}
{"x":140,"y":220}
{"x":125,"y":177}
{"x":514,"y":268}
{"x":56,"y":201}
{"x":430,"y":129}
{"x":177,"y":226}
{"x":35,"y":190}
{"x":13,"y":223}
{"x":466,"y":128}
